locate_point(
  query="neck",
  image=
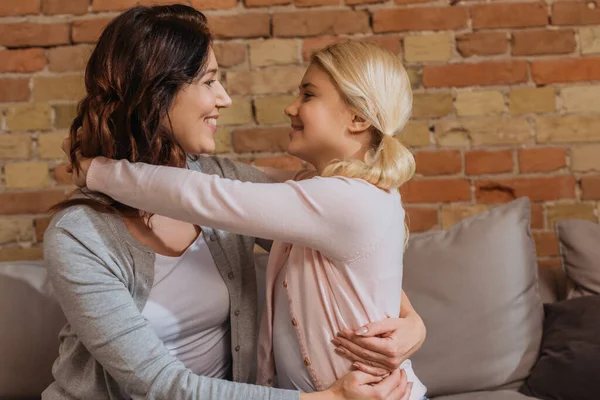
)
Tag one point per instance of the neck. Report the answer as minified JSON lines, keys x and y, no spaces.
{"x":320,"y":165}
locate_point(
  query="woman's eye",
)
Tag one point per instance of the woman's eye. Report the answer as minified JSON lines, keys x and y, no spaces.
{"x":210,"y":83}
{"x":306,"y":96}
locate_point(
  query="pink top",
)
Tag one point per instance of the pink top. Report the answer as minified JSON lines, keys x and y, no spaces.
{"x":342,"y":240}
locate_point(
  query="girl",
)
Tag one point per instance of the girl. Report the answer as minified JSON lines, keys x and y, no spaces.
{"x":337,"y":262}
{"x":137,"y":326}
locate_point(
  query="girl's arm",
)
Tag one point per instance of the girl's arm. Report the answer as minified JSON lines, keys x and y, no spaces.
{"x":332,"y":215}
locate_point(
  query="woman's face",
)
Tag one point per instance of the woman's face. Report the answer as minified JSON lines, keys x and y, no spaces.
{"x":323,"y":126}
{"x":195,"y":110}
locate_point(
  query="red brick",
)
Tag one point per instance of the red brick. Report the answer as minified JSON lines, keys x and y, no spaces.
{"x":421,"y":219}
{"x":542,"y":160}
{"x":410,"y":1}
{"x":213,"y":4}
{"x":575,"y":13}
{"x":240,"y":25}
{"x":566,"y":70}
{"x":538,"y":42}
{"x":546,"y":243}
{"x":353,"y":2}
{"x":19,"y":7}
{"x":69,"y":58}
{"x":282,"y":162}
{"x":443,"y":162}
{"x":436,"y":190}
{"x":481,"y":162}
{"x":14,"y":89}
{"x":476,"y":74}
{"x":537,"y":189}
{"x":509,"y":15}
{"x":29,"y":202}
{"x":112,"y":5}
{"x":89,"y":30}
{"x":551,"y":263}
{"x":22,"y":34}
{"x":65,"y":6}
{"x":482,"y":44}
{"x":537,"y":216}
{"x":263,"y":3}
{"x":61,"y":175}
{"x":420,"y":19}
{"x":312,"y":3}
{"x":41,"y":224}
{"x":28,"y":60}
{"x":590,"y":186}
{"x":317,"y":23}
{"x":259,"y":139}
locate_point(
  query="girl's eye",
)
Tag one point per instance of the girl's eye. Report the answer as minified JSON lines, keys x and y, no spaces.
{"x":210,"y":83}
{"x":307,"y":95}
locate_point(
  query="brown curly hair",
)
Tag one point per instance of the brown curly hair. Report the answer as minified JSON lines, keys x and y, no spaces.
{"x":140,"y":62}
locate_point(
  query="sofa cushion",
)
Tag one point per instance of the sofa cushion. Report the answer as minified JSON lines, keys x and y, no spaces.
{"x":30,"y":322}
{"x":580,"y":255}
{"x":496,"y":395}
{"x":568,"y":366}
{"x":475,"y":286}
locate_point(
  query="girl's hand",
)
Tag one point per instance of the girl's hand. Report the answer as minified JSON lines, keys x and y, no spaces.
{"x":380,"y":347}
{"x":358,"y":385}
{"x":78,"y":177}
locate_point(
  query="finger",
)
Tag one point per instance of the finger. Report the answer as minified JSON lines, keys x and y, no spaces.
{"x":384,"y":326}
{"x":380,"y":345}
{"x":66,"y":145}
{"x":370,"y":370}
{"x":363,"y":378}
{"x":389,"y":384}
{"x":368,"y":356}
{"x":401,"y":392}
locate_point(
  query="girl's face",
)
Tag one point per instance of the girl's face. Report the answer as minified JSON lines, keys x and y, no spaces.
{"x":195,"y":110}
{"x":323,"y":126}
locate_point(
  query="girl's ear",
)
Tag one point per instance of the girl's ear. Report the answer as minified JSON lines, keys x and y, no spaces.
{"x":358,"y":124}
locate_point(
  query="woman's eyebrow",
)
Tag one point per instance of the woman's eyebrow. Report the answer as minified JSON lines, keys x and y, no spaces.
{"x":212,"y":71}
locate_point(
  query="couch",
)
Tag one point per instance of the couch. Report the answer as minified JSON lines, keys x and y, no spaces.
{"x":470,"y":352}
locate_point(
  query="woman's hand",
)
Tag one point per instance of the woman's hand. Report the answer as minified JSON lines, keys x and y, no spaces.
{"x":358,"y":385}
{"x":380,"y":347}
{"x":78,"y":177}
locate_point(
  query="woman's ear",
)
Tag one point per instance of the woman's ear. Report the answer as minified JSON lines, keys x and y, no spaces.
{"x":359,"y":124}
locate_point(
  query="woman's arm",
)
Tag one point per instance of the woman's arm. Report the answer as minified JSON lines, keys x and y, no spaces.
{"x":314,"y":213}
{"x":102,"y":312}
{"x":381,"y":346}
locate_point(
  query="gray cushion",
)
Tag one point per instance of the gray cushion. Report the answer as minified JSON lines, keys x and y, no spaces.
{"x":580,"y":255}
{"x":499,"y":395}
{"x":475,"y":286}
{"x":30,"y":322}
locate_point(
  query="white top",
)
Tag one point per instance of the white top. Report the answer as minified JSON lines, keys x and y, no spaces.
{"x":188,"y":308}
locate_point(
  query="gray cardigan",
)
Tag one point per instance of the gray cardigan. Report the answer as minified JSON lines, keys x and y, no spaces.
{"x":102,"y":277}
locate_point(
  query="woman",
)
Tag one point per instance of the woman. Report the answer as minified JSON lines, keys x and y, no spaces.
{"x":152,"y":96}
{"x":337,"y":261}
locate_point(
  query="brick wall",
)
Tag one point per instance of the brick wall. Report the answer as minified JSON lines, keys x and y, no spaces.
{"x":505,"y":99}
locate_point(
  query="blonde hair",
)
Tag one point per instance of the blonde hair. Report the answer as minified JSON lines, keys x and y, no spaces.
{"x":374,"y":84}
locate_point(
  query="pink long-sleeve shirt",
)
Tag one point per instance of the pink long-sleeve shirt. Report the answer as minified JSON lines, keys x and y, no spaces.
{"x":340,"y":239}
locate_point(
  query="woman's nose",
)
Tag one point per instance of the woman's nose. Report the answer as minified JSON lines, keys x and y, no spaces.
{"x":223,"y":99}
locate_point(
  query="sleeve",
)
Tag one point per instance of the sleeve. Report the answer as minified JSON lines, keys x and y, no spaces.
{"x":330,"y":215}
{"x":102,"y":312}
